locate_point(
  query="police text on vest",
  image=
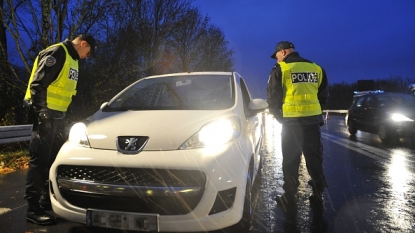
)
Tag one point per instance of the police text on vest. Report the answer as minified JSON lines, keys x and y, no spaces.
{"x":304,"y":77}
{"x":73,"y":74}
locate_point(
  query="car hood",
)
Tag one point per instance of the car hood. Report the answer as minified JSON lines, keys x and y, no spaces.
{"x":167,"y":130}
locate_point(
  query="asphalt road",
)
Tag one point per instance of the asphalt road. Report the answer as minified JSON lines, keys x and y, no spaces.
{"x":371,"y":189}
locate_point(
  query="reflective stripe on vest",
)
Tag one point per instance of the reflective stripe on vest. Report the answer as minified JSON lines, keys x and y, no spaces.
{"x":60,"y":91}
{"x":300,"y":81}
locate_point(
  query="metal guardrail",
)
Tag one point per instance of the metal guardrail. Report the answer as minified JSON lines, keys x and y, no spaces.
{"x":15,"y":133}
{"x":335,"y":111}
{"x":22,"y":133}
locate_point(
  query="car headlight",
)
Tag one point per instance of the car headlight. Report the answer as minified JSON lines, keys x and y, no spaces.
{"x":218,"y":132}
{"x":399,"y":117}
{"x":77,"y":134}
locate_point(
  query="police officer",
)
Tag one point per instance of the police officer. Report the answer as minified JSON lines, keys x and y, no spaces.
{"x":49,"y":93}
{"x":296,"y":94}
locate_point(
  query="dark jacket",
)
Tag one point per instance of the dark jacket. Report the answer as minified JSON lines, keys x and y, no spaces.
{"x":47,"y":72}
{"x":275,"y":93}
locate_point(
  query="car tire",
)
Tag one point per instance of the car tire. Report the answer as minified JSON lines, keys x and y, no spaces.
{"x":245,"y":224}
{"x":351,"y":128}
{"x":385,"y":134}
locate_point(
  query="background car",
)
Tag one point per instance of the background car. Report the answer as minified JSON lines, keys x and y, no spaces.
{"x":177,"y":152}
{"x":411,"y":89}
{"x":390,"y":115}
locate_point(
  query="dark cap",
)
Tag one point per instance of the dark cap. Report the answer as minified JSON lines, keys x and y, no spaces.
{"x":91,"y":41}
{"x":282,"y":45}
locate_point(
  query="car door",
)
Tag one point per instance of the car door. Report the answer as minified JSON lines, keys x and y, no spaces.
{"x":369,"y":116}
{"x":253,"y":122}
{"x":255,"y":128}
{"x":355,"y":113}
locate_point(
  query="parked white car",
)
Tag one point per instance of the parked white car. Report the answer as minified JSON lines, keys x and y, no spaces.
{"x":176,"y":152}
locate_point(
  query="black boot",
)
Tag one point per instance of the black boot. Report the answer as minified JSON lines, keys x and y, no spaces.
{"x":45,"y":198}
{"x":44,"y":202}
{"x":316,"y":200}
{"x":38,"y":216}
{"x":287,"y":202}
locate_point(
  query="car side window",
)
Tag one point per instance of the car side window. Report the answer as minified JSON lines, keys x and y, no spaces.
{"x":369,"y":102}
{"x":359,"y":102}
{"x":245,"y":95}
{"x":384,"y":101}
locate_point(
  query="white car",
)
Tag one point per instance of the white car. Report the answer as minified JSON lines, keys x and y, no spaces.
{"x":176,"y":152}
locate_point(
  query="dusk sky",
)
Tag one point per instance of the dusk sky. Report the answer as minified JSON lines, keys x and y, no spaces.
{"x":350,"y":39}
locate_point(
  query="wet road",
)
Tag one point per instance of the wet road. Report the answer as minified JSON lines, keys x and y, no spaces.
{"x":371,"y":189}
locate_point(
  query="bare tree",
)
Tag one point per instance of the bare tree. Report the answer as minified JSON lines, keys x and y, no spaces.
{"x":136,"y":38}
{"x":216,"y":55}
{"x":157,"y":22}
{"x":32,"y":26}
{"x":187,"y":41}
{"x":7,"y":82}
{"x":135,"y":42}
{"x":197,"y":45}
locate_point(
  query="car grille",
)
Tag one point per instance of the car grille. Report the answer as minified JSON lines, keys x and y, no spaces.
{"x":169,"y":204}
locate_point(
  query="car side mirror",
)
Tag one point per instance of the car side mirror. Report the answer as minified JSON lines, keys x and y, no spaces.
{"x":103,"y":105}
{"x":256,"y":106}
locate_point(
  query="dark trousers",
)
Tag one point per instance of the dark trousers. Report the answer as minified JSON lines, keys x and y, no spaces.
{"x":297,"y":140}
{"x":43,"y":148}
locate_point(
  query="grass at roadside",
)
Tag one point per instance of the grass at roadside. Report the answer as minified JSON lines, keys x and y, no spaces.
{"x":13,"y":156}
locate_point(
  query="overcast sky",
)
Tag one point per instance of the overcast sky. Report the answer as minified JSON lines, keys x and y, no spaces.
{"x":350,"y":39}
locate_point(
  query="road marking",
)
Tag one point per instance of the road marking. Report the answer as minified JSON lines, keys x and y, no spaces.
{"x":369,"y":151}
{"x":4,"y":210}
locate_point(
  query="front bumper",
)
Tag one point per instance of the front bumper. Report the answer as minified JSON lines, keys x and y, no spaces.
{"x":404,"y":129}
{"x":180,"y":185}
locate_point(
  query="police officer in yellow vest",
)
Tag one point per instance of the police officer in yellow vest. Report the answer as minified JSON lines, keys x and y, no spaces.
{"x":49,"y":93}
{"x":296,"y":94}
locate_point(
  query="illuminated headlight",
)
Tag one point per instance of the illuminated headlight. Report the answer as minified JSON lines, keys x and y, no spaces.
{"x":218,"y":132}
{"x":399,"y":117}
{"x":77,"y":134}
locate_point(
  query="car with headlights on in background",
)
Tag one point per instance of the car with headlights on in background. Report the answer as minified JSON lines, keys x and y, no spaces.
{"x":390,"y":115}
{"x":176,"y":152}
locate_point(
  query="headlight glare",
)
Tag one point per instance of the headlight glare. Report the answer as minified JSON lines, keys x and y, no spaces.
{"x":218,"y":132}
{"x":77,"y":134}
{"x":399,"y":117}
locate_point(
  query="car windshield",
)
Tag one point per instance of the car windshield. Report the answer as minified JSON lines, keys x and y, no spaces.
{"x":396,"y":101}
{"x":187,"y":92}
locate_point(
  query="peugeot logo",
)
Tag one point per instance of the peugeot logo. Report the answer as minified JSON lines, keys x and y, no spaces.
{"x":131,"y":144}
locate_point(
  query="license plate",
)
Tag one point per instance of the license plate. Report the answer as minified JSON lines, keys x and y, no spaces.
{"x":122,"y":220}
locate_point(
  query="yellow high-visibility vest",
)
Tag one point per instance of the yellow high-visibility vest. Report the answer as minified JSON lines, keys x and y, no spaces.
{"x":300,"y":82}
{"x":60,"y":92}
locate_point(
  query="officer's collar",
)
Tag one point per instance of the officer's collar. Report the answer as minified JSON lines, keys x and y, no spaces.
{"x":71,"y":49}
{"x":291,"y":55}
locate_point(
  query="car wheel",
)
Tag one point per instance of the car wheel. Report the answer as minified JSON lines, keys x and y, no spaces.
{"x":385,"y":134}
{"x":351,"y":128}
{"x":245,"y":224}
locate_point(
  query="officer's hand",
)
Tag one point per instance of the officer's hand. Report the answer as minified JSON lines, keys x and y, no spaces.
{"x":44,"y":115}
{"x":279,"y":118}
{"x":44,"y":121}
{"x":322,"y":121}
{"x":277,"y":114}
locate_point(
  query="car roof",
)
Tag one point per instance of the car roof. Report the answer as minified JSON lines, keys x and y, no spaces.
{"x":362,"y":93}
{"x":384,"y":94}
{"x":389,"y":93}
{"x":190,"y":74}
